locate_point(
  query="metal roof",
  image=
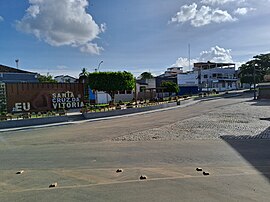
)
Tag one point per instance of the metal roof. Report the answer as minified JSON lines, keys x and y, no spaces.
{"x":6,"y":69}
{"x":209,"y":65}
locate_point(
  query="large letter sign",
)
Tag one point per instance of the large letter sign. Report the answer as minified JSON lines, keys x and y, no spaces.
{"x":66,"y":100}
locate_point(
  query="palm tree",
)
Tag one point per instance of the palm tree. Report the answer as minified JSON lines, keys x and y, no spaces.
{"x":84,"y":72}
{"x":83,"y":75}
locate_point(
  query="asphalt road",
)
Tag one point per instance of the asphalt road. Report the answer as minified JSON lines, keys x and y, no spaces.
{"x":82,"y":159}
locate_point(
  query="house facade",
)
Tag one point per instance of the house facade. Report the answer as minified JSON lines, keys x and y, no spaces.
{"x":10,"y":75}
{"x":13,"y":75}
{"x":146,"y":88}
{"x":65,"y":79}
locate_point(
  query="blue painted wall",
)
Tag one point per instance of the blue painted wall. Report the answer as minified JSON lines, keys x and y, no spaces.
{"x":18,"y":78}
{"x":188,"y":90}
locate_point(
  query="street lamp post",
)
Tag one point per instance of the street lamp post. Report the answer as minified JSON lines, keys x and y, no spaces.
{"x":254,"y":81}
{"x":200,"y":79}
{"x":136,"y":96}
{"x":99,"y":66}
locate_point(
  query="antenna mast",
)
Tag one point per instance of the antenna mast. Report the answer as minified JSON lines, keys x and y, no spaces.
{"x":17,"y":63}
{"x":189,"y":57}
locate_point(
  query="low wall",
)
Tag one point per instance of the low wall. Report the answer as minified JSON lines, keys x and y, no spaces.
{"x":61,"y":119}
{"x":123,"y":97}
{"x":36,"y":97}
{"x":37,"y":121}
{"x":128,"y":111}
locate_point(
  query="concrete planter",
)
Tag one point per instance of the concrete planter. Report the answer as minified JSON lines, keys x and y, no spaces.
{"x":37,"y":121}
{"x":127,"y":111}
{"x":93,"y":115}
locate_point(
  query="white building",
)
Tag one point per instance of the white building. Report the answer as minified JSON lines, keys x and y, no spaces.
{"x":210,"y":76}
{"x":65,"y":79}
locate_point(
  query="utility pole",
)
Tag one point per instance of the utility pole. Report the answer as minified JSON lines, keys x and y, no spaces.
{"x":189,"y":57}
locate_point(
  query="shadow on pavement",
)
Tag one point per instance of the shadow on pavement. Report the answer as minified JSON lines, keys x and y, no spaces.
{"x":254,"y":149}
{"x":259,"y":102}
{"x":238,"y":95}
{"x":265,"y":119}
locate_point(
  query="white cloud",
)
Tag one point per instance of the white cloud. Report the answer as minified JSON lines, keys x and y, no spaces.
{"x":103,"y":27}
{"x":187,"y":12}
{"x":239,"y":64}
{"x":243,"y":11}
{"x":184,"y":62}
{"x":62,"y":67}
{"x":33,"y":11}
{"x":201,"y":17}
{"x":219,"y":16}
{"x":218,"y":2}
{"x":1,"y":18}
{"x":216,"y":54}
{"x":91,"y":48}
{"x":64,"y":22}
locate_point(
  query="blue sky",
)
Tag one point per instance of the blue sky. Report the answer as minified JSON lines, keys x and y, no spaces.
{"x":62,"y":37}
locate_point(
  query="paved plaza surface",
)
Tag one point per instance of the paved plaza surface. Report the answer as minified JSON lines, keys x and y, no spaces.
{"x":227,"y":137}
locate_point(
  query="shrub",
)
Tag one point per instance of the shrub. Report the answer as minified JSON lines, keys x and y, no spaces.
{"x":120,"y":102}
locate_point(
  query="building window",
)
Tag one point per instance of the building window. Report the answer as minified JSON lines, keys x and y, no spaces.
{"x":205,"y":76}
{"x":223,"y":84}
{"x":214,"y":75}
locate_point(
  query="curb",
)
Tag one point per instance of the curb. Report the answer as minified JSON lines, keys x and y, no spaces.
{"x":66,"y":119}
{"x":188,"y":103}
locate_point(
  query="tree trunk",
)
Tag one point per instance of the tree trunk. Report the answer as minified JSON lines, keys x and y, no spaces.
{"x":112,"y":94}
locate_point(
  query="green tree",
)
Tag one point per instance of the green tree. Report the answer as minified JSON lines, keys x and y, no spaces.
{"x":262,"y":67}
{"x":146,"y":75}
{"x":170,"y":86}
{"x":46,"y":78}
{"x":111,"y":82}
